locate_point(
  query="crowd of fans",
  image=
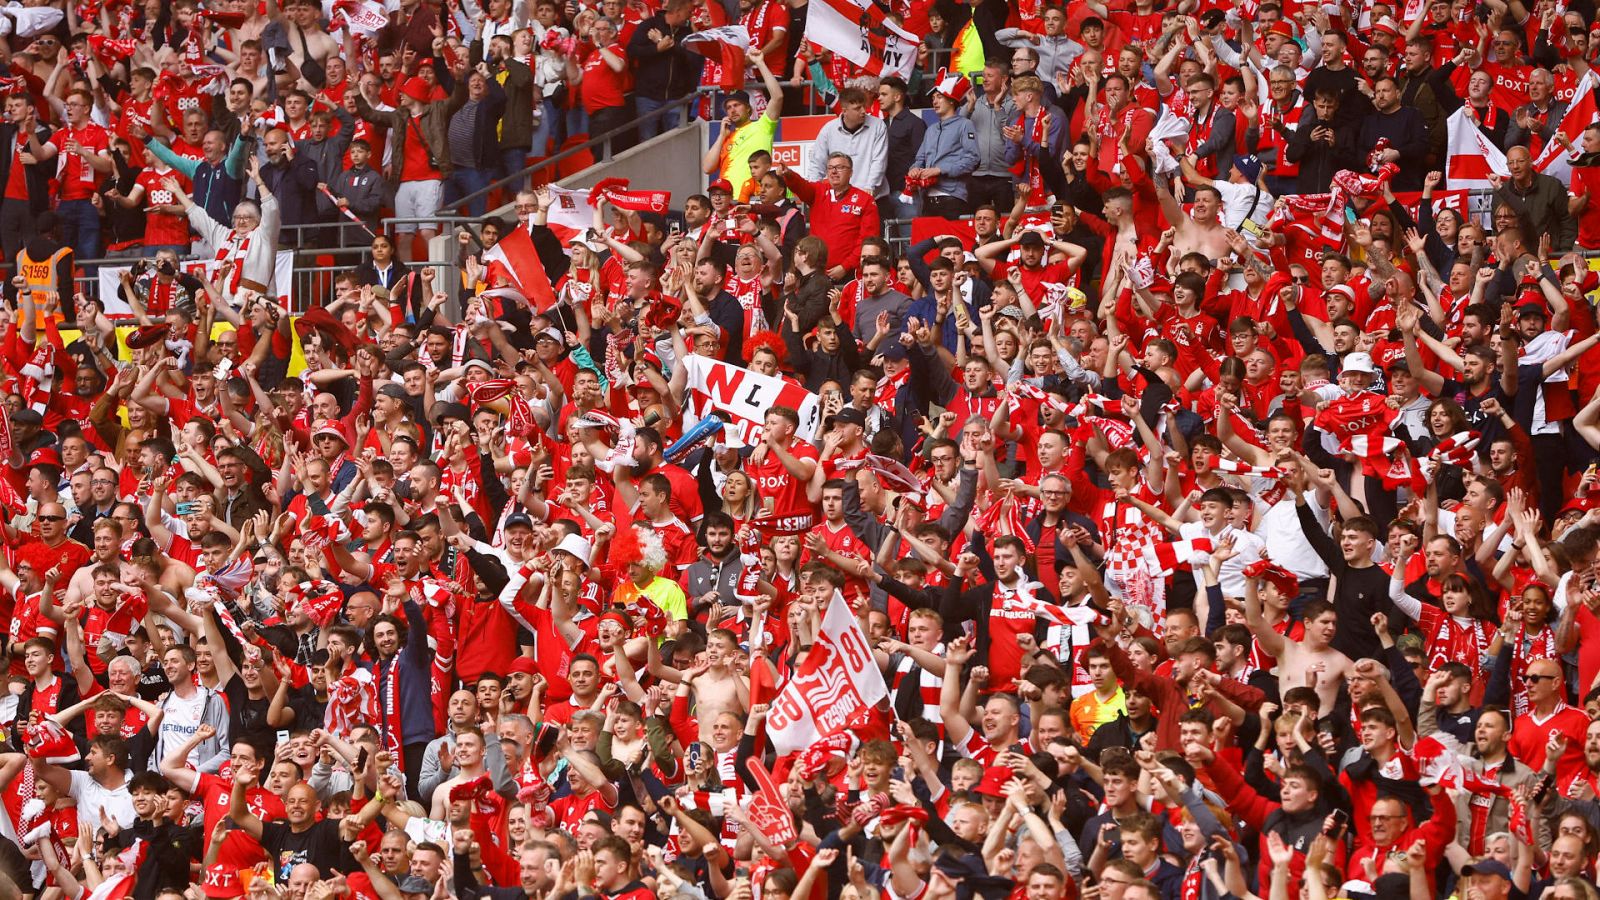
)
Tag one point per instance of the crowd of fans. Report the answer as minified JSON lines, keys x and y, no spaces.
{"x":1216,"y":485}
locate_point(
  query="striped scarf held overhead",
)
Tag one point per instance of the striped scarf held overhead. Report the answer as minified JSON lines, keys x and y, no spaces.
{"x":1005,"y":517}
{"x":1239,"y":467}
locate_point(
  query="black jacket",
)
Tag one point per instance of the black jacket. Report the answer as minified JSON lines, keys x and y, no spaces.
{"x":1318,"y":161}
{"x":294,"y":183}
{"x":516,"y":114}
{"x":38,"y":174}
{"x":663,"y":74}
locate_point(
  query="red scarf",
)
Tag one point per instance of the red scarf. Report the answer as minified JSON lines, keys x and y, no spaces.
{"x":1525,"y":650}
{"x":236,"y":247}
{"x":391,"y":730}
{"x":1454,"y":642}
{"x":1028,"y":167}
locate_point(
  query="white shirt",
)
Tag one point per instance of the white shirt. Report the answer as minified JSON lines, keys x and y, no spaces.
{"x":179,"y":724}
{"x":1286,"y":544}
{"x":1230,"y":576}
{"x":92,"y":797}
{"x":1241,"y":202}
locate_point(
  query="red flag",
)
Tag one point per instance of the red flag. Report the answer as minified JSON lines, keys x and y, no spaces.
{"x":514,"y":259}
{"x":727,"y":46}
{"x":1164,"y":558}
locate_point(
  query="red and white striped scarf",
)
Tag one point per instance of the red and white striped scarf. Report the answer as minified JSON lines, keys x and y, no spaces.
{"x":1456,"y":450}
{"x":1165,"y":558}
{"x":888,"y":386}
{"x":1239,"y":467}
{"x":235,"y":248}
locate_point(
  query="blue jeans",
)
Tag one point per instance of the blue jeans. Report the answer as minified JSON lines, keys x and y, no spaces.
{"x":463,"y":182}
{"x":512,"y":161}
{"x":80,"y":228}
{"x":667,"y":121}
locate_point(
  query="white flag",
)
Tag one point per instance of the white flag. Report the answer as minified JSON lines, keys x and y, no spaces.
{"x":1471,"y":157}
{"x":833,"y":689}
{"x":1581,"y":113}
{"x":859,"y":32}
{"x":569,"y":208}
{"x":744,"y":396}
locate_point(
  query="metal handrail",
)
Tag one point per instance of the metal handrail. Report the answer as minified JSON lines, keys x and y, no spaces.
{"x":587,"y":146}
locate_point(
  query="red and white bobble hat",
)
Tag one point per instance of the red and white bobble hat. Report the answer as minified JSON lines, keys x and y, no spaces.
{"x":953,"y":85}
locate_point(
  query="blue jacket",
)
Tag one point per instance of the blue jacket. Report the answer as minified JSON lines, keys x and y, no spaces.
{"x":216,"y":188}
{"x":415,"y":688}
{"x":951,"y":146}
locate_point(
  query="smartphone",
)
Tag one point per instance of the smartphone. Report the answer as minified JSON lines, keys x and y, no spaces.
{"x":693,"y":756}
{"x":1115,"y":834}
{"x":185,"y":507}
{"x":361,"y":759}
{"x":674,"y":227}
{"x":1335,"y":829}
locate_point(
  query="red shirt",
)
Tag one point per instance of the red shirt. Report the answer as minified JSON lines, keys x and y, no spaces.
{"x":17,"y":178}
{"x":774,"y":480}
{"x":26,"y":623}
{"x":161,"y":228}
{"x":1588,"y":220}
{"x":239,"y":850}
{"x":1530,"y":734}
{"x":78,"y":179}
{"x":69,"y":555}
{"x":841,"y":220}
{"x":134,"y":112}
{"x":602,"y":87}
{"x":417,"y":166}
{"x":570,"y":810}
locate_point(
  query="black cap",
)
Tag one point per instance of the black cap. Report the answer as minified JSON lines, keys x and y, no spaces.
{"x":894,"y":351}
{"x":522,"y":519}
{"x":390,"y":389}
{"x":27,"y":416}
{"x":444,"y":410}
{"x":1030,"y":239}
{"x":847,"y":416}
{"x":1488,"y":867}
{"x":741,"y":96}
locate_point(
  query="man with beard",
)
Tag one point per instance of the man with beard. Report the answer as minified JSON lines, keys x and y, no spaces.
{"x":1480,"y":814}
{"x":292,"y":178}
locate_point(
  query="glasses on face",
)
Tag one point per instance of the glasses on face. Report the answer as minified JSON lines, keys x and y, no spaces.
{"x":1380,"y":817}
{"x":1534,"y":679}
{"x":102,"y":481}
{"x":44,"y":518}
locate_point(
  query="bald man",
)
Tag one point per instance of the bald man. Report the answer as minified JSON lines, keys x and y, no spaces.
{"x":300,"y":838}
{"x":301,"y":878}
{"x":1539,"y":199}
{"x":460,"y":712}
{"x":1550,"y":725}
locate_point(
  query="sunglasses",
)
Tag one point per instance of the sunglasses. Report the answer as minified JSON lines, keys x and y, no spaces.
{"x":1538,"y":678}
{"x":51,"y":518}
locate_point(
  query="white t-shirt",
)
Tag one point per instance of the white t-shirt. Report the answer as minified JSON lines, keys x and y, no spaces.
{"x":1286,"y":544}
{"x":1237,"y":203}
{"x":1230,"y":575}
{"x":92,"y":797}
{"x":180,"y":723}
